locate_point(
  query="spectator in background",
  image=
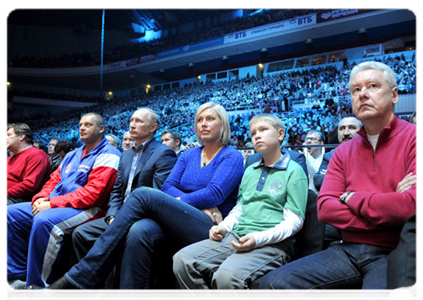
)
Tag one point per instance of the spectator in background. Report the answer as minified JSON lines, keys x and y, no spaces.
{"x":127,"y":141}
{"x":347,"y":130}
{"x":28,"y":168}
{"x":314,"y":155}
{"x":55,"y":158}
{"x":40,"y":146}
{"x":369,"y":193}
{"x":62,"y":148}
{"x":172,"y":139}
{"x":113,"y":140}
{"x":76,"y":193}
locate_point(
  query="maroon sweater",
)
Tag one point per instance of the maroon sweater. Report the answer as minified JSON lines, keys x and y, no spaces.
{"x":375,"y":213}
{"x":27,"y":172}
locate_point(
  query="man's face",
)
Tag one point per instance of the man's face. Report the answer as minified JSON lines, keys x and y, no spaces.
{"x":371,"y":96}
{"x":13,"y":140}
{"x":89,"y":131}
{"x":416,"y":119}
{"x":140,"y":127}
{"x":314,"y":138}
{"x":127,"y":141}
{"x":169,"y":141}
{"x":51,"y":146}
{"x":348,"y":129}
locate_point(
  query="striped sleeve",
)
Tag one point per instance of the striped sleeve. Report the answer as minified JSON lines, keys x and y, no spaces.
{"x":97,"y":190}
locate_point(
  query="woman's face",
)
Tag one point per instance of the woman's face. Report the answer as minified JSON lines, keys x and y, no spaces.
{"x":209,"y":125}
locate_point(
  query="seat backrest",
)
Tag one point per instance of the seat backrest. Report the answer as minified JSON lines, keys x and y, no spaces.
{"x":309,"y":239}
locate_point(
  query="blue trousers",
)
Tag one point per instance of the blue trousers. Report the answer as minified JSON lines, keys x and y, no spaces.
{"x":341,"y":266}
{"x":34,"y":242}
{"x":148,"y":211}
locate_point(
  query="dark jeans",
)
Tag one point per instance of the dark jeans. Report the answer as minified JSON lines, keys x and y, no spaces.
{"x":342,"y":266}
{"x":11,"y":200}
{"x":181,"y":223}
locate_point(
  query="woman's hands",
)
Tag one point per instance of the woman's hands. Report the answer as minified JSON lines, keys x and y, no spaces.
{"x":214,"y":214}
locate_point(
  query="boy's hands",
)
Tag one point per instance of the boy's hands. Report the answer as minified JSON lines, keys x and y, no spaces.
{"x":246,"y":243}
{"x":217,"y":233}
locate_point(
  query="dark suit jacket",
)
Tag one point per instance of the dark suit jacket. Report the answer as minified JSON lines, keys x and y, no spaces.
{"x":155,"y":164}
{"x":295,"y":156}
{"x":319,"y":176}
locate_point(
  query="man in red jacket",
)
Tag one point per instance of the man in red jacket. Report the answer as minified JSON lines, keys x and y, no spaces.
{"x":28,"y":168}
{"x":368,"y":193}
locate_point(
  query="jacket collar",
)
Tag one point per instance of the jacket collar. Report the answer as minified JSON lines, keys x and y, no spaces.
{"x":281,"y":164}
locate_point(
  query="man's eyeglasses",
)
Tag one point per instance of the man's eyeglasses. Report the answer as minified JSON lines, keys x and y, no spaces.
{"x":312,"y":139}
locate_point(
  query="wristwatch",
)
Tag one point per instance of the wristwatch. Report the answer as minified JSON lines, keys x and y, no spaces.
{"x":415,"y":291}
{"x":343,"y":197}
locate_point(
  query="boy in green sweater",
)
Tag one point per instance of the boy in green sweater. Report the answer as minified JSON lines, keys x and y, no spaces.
{"x":257,"y":235}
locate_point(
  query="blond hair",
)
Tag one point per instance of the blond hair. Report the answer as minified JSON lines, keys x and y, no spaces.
{"x":225,"y":130}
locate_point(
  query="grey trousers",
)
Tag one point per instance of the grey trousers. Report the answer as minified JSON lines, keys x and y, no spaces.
{"x":216,"y":264}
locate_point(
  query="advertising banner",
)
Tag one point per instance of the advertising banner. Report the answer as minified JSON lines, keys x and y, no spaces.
{"x":273,"y":28}
{"x":339,"y":14}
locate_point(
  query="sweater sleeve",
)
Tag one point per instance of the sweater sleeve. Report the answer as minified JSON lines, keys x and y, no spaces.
{"x":96,"y":191}
{"x":390,"y":209}
{"x":330,"y":210}
{"x":232,"y":218}
{"x":225,"y":179}
{"x":286,"y":228}
{"x":35,"y":171}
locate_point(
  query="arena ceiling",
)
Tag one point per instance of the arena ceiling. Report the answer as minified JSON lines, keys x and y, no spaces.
{"x":380,"y":25}
{"x":120,"y":19}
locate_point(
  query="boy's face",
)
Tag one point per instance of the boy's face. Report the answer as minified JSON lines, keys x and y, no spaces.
{"x":265,"y":137}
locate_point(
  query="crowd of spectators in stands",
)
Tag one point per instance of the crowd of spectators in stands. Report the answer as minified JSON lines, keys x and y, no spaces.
{"x":130,"y":51}
{"x":323,"y":88}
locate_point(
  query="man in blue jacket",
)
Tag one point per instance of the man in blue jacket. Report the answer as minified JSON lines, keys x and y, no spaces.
{"x":77,"y":192}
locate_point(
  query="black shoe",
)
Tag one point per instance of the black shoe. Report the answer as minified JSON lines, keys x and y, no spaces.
{"x":58,"y":290}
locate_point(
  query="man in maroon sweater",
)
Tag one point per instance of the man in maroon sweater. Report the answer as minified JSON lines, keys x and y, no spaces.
{"x":28,"y":168}
{"x":368,"y":193}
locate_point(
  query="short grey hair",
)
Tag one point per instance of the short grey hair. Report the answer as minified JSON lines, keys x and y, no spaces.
{"x":388,"y":73}
{"x":153,"y":116}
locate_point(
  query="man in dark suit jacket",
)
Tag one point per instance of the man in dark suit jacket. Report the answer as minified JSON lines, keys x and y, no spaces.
{"x":146,"y":164}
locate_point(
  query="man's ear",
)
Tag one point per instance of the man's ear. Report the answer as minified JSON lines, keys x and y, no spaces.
{"x":395,"y":98}
{"x":153,"y":127}
{"x":102,"y":128}
{"x":22,"y":137}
